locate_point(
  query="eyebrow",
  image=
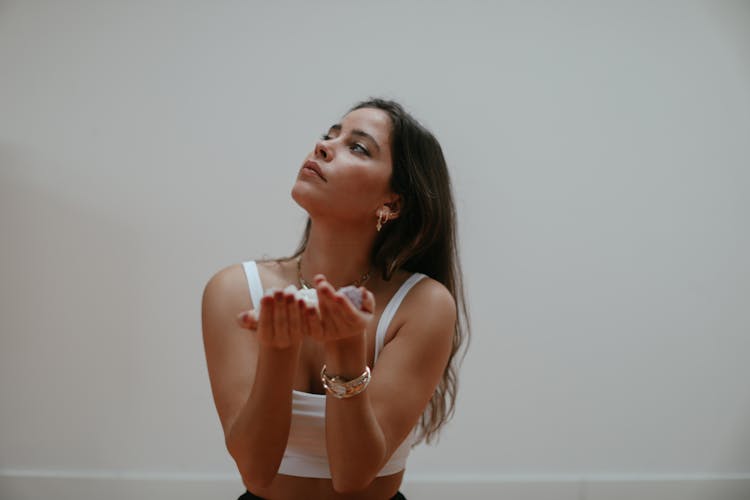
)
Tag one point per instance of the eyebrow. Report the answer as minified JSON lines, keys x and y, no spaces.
{"x":361,"y":133}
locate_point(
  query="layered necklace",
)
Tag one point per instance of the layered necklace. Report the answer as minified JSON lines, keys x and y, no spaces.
{"x":307,"y":286}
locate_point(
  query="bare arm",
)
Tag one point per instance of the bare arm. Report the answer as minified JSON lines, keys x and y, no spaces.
{"x":251,"y":373}
{"x":363,"y":432}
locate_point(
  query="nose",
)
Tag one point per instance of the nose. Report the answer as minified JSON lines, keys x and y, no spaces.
{"x":323,"y":150}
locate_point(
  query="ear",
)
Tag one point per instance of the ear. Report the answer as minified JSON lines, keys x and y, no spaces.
{"x":392,"y":207}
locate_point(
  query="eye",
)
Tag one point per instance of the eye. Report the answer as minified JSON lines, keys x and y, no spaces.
{"x":356,"y":147}
{"x":361,"y":149}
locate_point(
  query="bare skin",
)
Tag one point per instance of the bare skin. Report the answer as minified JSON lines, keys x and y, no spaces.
{"x":254,"y":367}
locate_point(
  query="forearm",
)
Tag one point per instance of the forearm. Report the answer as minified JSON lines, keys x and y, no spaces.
{"x":355,"y":441}
{"x":258,"y":436}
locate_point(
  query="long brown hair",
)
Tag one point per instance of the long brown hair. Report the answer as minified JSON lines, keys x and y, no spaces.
{"x":422,"y":239}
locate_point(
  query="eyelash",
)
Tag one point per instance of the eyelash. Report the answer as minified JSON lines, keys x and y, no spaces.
{"x":363,"y":149}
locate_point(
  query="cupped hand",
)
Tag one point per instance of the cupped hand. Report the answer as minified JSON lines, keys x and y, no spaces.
{"x":282,"y":322}
{"x":339,"y":318}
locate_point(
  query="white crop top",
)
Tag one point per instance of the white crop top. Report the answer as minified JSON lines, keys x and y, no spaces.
{"x":306,"y":454}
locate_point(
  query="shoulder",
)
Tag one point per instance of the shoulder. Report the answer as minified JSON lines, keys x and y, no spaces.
{"x":226,"y":291}
{"x":225,"y":280}
{"x":230,"y":286}
{"x":428,"y":312}
{"x":431,"y":295}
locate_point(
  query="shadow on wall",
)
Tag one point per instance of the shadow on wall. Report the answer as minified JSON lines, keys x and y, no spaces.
{"x":67,"y":282}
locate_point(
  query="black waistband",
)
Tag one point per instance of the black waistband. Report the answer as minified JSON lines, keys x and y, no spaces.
{"x":249,"y":496}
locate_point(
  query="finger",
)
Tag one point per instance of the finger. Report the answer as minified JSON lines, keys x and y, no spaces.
{"x":313,"y":322}
{"x":280,"y":324}
{"x":248,"y":319}
{"x":337,"y":325}
{"x":368,"y":300}
{"x":324,"y":289}
{"x":339,"y":308}
{"x":265,"y":323}
{"x":292,"y":314}
{"x":327,"y":311}
{"x":301,"y":310}
{"x":347,"y":306}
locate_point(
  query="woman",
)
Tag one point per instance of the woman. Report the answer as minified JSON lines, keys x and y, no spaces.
{"x":325,"y":400}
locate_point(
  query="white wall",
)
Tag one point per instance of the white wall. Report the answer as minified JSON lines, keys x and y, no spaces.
{"x":599,"y":152}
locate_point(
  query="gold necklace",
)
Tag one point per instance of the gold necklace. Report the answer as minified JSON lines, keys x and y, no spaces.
{"x":307,"y":286}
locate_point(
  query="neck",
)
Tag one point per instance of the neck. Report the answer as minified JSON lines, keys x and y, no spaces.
{"x":341,"y":253}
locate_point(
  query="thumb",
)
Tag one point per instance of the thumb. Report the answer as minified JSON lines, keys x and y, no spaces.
{"x":248,"y":319}
{"x":368,"y":300}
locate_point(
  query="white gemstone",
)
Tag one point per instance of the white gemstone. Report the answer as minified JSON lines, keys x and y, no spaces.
{"x":309,"y":295}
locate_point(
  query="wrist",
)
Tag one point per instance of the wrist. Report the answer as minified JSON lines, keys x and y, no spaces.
{"x":344,"y":388}
{"x":280,"y":356}
{"x":275,"y":371}
{"x":346,"y":357}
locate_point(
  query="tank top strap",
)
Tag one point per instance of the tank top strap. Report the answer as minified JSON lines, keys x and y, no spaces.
{"x":390,"y":310}
{"x":253,"y":282}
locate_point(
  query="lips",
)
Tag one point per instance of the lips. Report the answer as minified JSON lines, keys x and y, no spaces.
{"x":311,"y":165}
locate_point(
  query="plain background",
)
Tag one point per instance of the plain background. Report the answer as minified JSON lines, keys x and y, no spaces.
{"x":599,"y":154}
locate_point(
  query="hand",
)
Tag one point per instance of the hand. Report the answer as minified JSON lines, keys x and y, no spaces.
{"x":282,"y":322}
{"x":339,"y":318}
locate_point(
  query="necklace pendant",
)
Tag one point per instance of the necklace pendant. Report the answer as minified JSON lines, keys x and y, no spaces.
{"x":306,"y":286}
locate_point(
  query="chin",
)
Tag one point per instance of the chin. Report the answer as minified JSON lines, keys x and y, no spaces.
{"x":298,"y":193}
{"x":303,"y":195}
{"x":310,"y":200}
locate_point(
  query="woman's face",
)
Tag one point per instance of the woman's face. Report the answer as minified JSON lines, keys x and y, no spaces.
{"x":348,"y":173}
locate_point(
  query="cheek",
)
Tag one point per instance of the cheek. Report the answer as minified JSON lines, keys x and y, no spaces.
{"x":366,"y":186}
